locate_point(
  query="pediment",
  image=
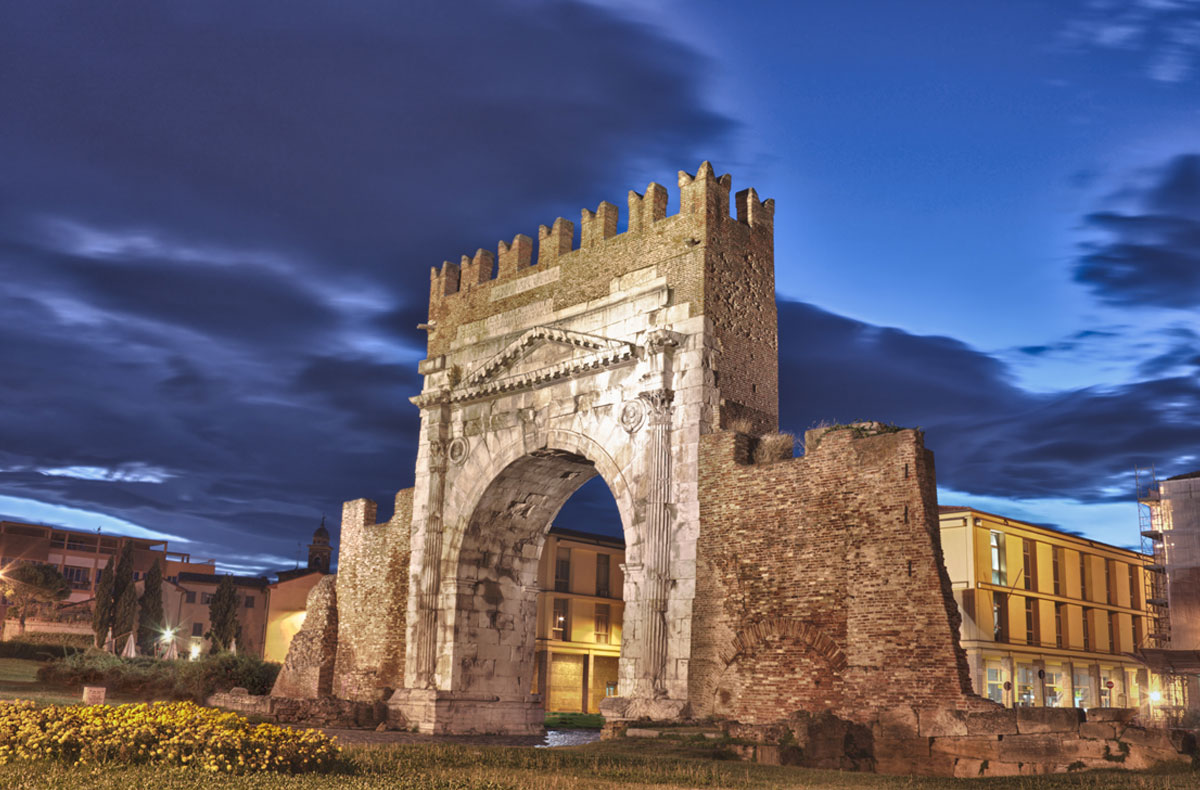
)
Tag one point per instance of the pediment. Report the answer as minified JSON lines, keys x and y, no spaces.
{"x":540,"y":355}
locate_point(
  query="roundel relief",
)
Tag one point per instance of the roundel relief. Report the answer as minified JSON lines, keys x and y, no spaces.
{"x":457,"y":451}
{"x":633,"y":415}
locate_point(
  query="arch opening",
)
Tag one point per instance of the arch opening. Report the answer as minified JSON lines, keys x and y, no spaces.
{"x":504,"y":646}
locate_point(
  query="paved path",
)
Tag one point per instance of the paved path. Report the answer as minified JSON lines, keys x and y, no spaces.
{"x":388,"y":737}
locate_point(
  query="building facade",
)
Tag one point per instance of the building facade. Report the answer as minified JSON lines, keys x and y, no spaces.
{"x":81,"y":555}
{"x":1048,"y":619}
{"x":579,"y":618}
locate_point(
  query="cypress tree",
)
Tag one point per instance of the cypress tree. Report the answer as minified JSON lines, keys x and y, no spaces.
{"x":223,"y":616}
{"x":124,"y":573}
{"x":150,"y":612}
{"x":123,"y":617}
{"x":105,"y":603}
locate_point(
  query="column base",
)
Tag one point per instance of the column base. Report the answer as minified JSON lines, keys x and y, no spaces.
{"x":437,"y":712}
{"x":629,"y":708}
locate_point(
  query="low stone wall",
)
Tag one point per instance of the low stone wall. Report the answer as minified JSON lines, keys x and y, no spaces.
{"x":324,"y":712}
{"x":947,"y":742}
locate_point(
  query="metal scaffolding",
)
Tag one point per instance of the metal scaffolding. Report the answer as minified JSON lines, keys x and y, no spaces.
{"x":1154,"y":575}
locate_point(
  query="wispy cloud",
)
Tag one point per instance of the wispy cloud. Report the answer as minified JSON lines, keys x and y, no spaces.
{"x":125,"y":473}
{"x":1165,"y":32}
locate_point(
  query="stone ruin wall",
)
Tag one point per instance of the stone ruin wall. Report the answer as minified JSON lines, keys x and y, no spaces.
{"x":820,"y":582}
{"x":372,"y":599}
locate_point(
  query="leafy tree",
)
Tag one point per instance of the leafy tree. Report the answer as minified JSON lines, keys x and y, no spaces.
{"x":105,"y":604}
{"x":150,"y":612}
{"x":126,"y":611}
{"x":223,"y":616}
{"x":28,"y":585}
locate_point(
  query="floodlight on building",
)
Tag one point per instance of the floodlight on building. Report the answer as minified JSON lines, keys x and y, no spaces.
{"x":1155,"y":696}
{"x":194,"y":653}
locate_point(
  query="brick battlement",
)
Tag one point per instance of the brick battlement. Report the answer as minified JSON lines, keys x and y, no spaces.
{"x":702,"y":197}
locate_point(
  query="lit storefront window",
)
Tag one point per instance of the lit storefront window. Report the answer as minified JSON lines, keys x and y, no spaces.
{"x":1083,"y":689}
{"x":1026,"y":676}
{"x":995,"y":682}
{"x":1054,"y":687}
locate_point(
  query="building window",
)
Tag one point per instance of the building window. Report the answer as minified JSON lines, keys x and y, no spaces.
{"x":1110,"y":594}
{"x":610,"y":688}
{"x":1055,"y":554}
{"x":999,"y":561}
{"x":1083,"y":563}
{"x":1000,"y":617}
{"x":197,"y":629}
{"x":1133,"y":596}
{"x":1058,"y":625}
{"x":602,"y":620}
{"x":995,"y":682}
{"x":1025,"y":678}
{"x":173,"y":579}
{"x":75,"y":574}
{"x":1083,"y":688}
{"x":1030,"y":569}
{"x":1032,"y":629}
{"x":562,"y":570}
{"x":603,"y":572}
{"x":189,"y":597}
{"x":1137,"y":632}
{"x":1053,"y":687}
{"x":1114,"y":629}
{"x":249,"y":601}
{"x":1087,"y":631}
{"x":558,"y":620}
{"x":206,"y":598}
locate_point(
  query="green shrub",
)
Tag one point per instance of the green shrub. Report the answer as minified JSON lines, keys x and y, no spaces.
{"x":37,"y":649}
{"x":180,"y":679}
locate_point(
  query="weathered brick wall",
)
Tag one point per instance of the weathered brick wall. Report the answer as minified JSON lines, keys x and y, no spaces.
{"x":372,"y":598}
{"x":820,"y":582}
{"x":307,"y":671}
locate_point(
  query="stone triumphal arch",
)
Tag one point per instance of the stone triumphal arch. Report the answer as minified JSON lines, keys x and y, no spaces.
{"x":754,"y":585}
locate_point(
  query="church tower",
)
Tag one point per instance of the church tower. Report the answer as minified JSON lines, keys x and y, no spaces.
{"x":319,"y":551}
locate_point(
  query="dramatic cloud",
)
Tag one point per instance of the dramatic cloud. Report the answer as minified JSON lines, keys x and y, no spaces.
{"x":1149,"y":255}
{"x":990,"y":436}
{"x":216,"y":223}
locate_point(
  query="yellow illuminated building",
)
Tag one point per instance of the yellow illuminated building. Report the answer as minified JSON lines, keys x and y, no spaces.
{"x":579,"y":620}
{"x":1048,"y":618}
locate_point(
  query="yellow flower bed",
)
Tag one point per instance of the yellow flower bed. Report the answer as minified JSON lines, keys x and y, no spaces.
{"x":165,"y":733}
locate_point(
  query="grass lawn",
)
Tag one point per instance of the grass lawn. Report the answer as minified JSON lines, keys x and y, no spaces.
{"x":18,"y":680}
{"x":574,"y":721}
{"x":615,"y":765}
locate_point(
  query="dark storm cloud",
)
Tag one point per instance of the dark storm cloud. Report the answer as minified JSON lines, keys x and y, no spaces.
{"x":216,"y":223}
{"x":1149,"y":256}
{"x":990,"y":436}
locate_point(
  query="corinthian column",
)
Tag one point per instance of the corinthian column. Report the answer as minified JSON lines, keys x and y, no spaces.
{"x":657,"y":559}
{"x":431,"y":554}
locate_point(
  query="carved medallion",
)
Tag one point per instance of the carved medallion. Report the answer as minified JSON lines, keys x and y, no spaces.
{"x":457,"y":450}
{"x":633,"y":415}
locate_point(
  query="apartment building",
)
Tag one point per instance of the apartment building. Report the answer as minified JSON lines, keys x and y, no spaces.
{"x":81,"y":555}
{"x":1048,"y":618}
{"x":580,"y":609}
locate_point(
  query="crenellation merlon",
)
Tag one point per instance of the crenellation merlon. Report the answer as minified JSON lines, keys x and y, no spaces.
{"x":554,"y":241}
{"x":645,"y":210}
{"x":703,"y":198}
{"x":477,"y":270}
{"x":596,"y":226}
{"x":515,"y":257}
{"x":704,"y":193}
{"x":754,"y":213}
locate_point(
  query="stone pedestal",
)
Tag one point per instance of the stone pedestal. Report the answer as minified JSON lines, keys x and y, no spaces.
{"x":631,"y":708}
{"x":437,"y":712}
